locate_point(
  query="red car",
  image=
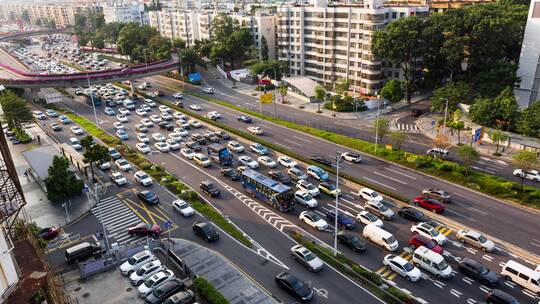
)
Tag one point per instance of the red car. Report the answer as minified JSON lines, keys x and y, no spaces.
{"x":420,"y":240}
{"x":430,"y":204}
{"x":49,"y":233}
{"x":145,"y":229}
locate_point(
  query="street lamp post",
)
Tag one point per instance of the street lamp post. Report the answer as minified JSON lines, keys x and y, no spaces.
{"x":92,"y":99}
{"x":106,"y":239}
{"x":338,"y":154}
{"x":445,"y":114}
{"x":377,"y":126}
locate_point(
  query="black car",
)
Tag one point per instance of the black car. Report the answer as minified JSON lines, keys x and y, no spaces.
{"x":210,"y":136}
{"x":294,"y":286}
{"x":222,"y":134}
{"x":231,"y":173}
{"x":205,"y":231}
{"x":209,"y":188}
{"x":279,"y":176}
{"x":198,"y":138}
{"x":165,"y":290}
{"x":166,"y":125}
{"x":182,"y":297}
{"x":110,"y":103}
{"x":321,"y":159}
{"x":55,"y":127}
{"x":244,"y":118}
{"x":478,"y":271}
{"x":148,"y":197}
{"x":413,"y":214}
{"x":416,"y":112}
{"x":496,"y":296}
{"x":192,"y":145}
{"x":352,"y":241}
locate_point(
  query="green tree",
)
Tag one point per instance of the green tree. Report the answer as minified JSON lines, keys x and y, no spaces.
{"x":264,"y":48}
{"x":223,"y":27}
{"x":160,"y":47}
{"x":38,"y":22}
{"x":393,"y":91}
{"x":468,"y":156}
{"x":342,"y":87}
{"x":178,"y":44}
{"x":272,"y":68}
{"x":498,"y":137}
{"x":98,"y":41}
{"x":457,"y":126}
{"x":401,"y":43}
{"x":525,"y":160}
{"x":16,"y":110}
{"x":133,"y":39}
{"x":62,"y":183}
{"x":320,"y":95}
{"x":94,"y":154}
{"x":188,"y":59}
{"x":381,"y":128}
{"x":457,"y":92}
{"x":489,"y":83}
{"x":283,"y":89}
{"x":529,"y":122}
{"x":398,"y":138}
{"x":501,"y":112}
{"x":25,"y":16}
{"x":111,"y":31}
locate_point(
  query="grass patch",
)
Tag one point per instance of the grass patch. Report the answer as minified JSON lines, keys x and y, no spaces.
{"x":489,"y":184}
{"x":163,"y":177}
{"x":21,"y":135}
{"x":210,"y":294}
{"x":356,"y":272}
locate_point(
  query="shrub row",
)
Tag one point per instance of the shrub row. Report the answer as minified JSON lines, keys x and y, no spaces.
{"x":165,"y":178}
{"x":208,"y":292}
{"x":453,"y":172}
{"x":356,"y":272}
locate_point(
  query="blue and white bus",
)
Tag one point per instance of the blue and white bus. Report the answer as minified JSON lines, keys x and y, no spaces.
{"x":268,"y":190}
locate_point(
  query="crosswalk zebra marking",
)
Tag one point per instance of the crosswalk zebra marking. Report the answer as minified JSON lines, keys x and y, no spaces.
{"x":412,"y":128}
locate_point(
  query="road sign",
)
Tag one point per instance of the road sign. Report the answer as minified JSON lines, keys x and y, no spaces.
{"x":266,"y":98}
{"x":85,"y":189}
{"x":433,"y":122}
{"x":168,"y":224}
{"x":477,"y":134}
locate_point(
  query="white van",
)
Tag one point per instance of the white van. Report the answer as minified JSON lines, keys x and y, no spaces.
{"x":129,"y":104}
{"x":380,"y":237}
{"x":201,"y":160}
{"x":431,"y":261}
{"x":522,"y":275}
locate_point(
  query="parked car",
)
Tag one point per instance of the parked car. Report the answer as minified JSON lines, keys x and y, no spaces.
{"x":307,"y":258}
{"x":437,"y":194}
{"x":478,"y":271}
{"x":49,"y":233}
{"x":413,"y":214}
{"x":154,"y":281}
{"x":145,"y":229}
{"x":146,"y":271}
{"x":476,"y":239}
{"x":148,"y":197}
{"x":183,"y":208}
{"x":352,"y":241}
{"x":402,"y":267}
{"x":429,"y":204}
{"x":181,"y":297}
{"x":136,"y":261}
{"x":165,"y":290}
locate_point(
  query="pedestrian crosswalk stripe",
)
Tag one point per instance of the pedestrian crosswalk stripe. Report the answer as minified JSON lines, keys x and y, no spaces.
{"x":413,"y":128}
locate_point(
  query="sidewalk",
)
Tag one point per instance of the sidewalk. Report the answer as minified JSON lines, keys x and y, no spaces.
{"x":235,"y":286}
{"x":311,"y":107}
{"x":38,"y":208}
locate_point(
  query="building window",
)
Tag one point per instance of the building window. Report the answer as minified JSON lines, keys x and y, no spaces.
{"x":394,"y":15}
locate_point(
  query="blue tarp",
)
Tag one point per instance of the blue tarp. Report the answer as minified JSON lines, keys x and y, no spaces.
{"x":194,"y":77}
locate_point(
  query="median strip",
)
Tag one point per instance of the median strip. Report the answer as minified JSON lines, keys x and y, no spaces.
{"x":163,"y":177}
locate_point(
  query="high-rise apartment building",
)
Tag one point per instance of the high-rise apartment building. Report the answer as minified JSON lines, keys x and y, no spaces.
{"x":124,"y":12}
{"x":330,"y":43}
{"x":529,"y":59}
{"x":176,"y":24}
{"x":62,"y":14}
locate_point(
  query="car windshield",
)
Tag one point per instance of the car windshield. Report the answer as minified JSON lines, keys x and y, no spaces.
{"x":434,"y":232}
{"x":149,"y":283}
{"x":482,"y":239}
{"x":149,"y":195}
{"x":442,"y":265}
{"x":310,"y":256}
{"x":141,"y":271}
{"x":297,"y":285}
{"x":374,"y":194}
{"x":131,"y":261}
{"x":310,"y":187}
{"x":483,"y":269}
{"x":308,"y":197}
{"x":383,"y":208}
{"x":390,"y":240}
{"x":355,"y":240}
{"x":430,"y":245}
{"x":408,"y":267}
{"x":371,"y":217}
{"x":315,"y":217}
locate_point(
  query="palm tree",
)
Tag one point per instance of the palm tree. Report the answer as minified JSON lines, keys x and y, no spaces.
{"x":283,"y":91}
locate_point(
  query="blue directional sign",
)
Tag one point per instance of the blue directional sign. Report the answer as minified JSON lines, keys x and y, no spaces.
{"x":477,"y":135}
{"x":168,"y":224}
{"x":85,"y":189}
{"x":194,"y":77}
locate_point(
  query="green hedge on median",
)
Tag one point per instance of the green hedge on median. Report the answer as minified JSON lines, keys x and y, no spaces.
{"x":206,"y":291}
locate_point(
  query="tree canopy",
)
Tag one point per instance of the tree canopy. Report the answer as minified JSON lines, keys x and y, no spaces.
{"x":16,"y":110}
{"x":61,"y":183}
{"x":393,"y":90}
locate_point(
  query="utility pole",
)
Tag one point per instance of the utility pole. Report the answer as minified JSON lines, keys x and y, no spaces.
{"x":337,"y":202}
{"x":445,"y":114}
{"x":92,"y":100}
{"x":377,"y":126}
{"x":106,"y":239}
{"x":275,"y":107}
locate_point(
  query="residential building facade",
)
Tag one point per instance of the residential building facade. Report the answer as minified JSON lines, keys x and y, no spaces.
{"x":124,"y":12}
{"x":63,"y":15}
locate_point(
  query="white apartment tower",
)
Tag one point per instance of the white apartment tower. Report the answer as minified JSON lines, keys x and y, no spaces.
{"x":331,"y":43}
{"x":529,"y":59}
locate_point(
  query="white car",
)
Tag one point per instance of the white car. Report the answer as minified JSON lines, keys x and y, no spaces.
{"x":150,"y":103}
{"x":179,"y":115}
{"x":122,"y":118}
{"x":194,"y":123}
{"x":143,"y":138}
{"x":368,"y":218}
{"x":305,"y":199}
{"x":304,"y":185}
{"x":267,"y":161}
{"x":529,"y":174}
{"x":77,"y":130}
{"x":255,"y":130}
{"x":287,"y":162}
{"x":124,"y":111}
{"x":307,"y":258}
{"x":146,"y":107}
{"x":164,"y":109}
{"x":183,"y":208}
{"x":235,"y":147}
{"x":173,"y":144}
{"x":213,"y":115}
{"x":313,"y":219}
{"x":380,"y":209}
{"x":195,"y":107}
{"x":137,"y":261}
{"x":209,"y":90}
{"x":105,"y":165}
{"x":402,"y":267}
{"x":175,"y":136}
{"x":475,"y":239}
{"x":155,"y":118}
{"x":162,"y":147}
{"x":142,"y":178}
{"x":370,"y":195}
{"x":118,"y":178}
{"x":429,"y":232}
{"x":143,"y":148}
{"x":351,"y":157}
{"x":157,"y":279}
{"x":166,"y":116}
{"x":248,"y":161}
{"x":147,"y":270}
{"x":140,"y":112}
{"x":178,"y":95}
{"x":123,"y":164}
{"x":118,"y":125}
{"x":187,"y":153}
{"x":158,"y":137}
{"x":181,"y":131}
{"x":147,"y":123}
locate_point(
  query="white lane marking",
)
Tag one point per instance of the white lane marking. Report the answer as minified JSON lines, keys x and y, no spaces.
{"x":528,"y":293}
{"x":510,"y":284}
{"x":352,"y":197}
{"x":478,"y":211}
{"x":485,"y":289}
{"x":473,"y":251}
{"x":534,"y":244}
{"x":390,"y":178}
{"x":467,"y":280}
{"x":382,"y":184}
{"x":455,"y":293}
{"x":471,"y":301}
{"x":302,"y":139}
{"x":502,"y":264}
{"x":291,"y":142}
{"x":421,"y":300}
{"x":482,"y":169}
{"x":487,"y":257}
{"x":404,"y":174}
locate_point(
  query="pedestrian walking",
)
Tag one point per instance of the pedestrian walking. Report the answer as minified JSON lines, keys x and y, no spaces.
{"x":26,"y":173}
{"x":39,"y":140}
